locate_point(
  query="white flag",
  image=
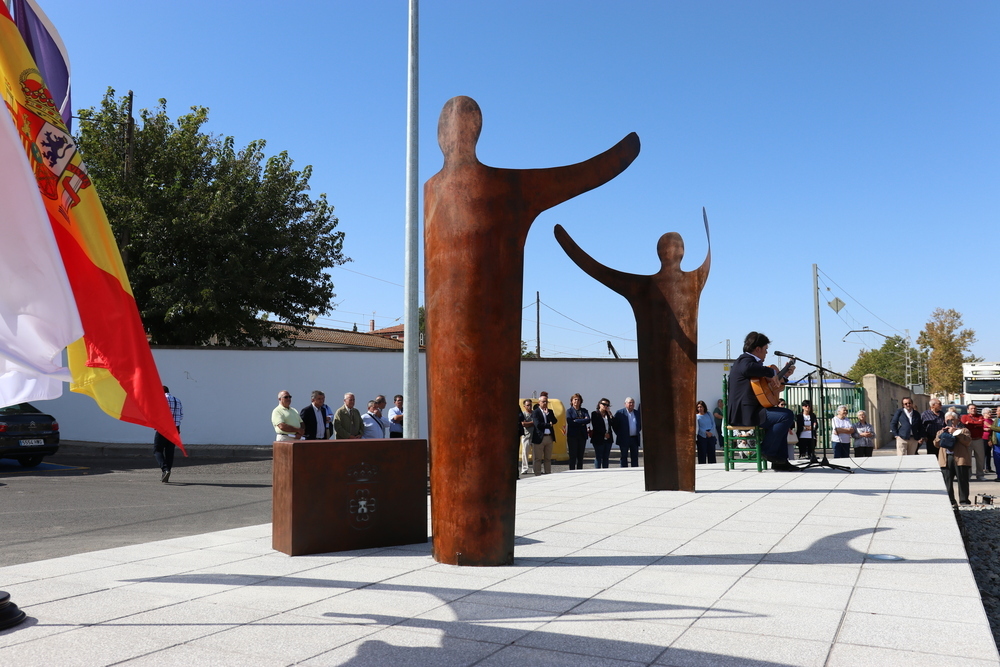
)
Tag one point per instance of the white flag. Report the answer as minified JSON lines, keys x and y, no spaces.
{"x":38,"y":315}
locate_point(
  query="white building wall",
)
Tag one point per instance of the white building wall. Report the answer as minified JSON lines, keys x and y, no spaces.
{"x":228,"y":394}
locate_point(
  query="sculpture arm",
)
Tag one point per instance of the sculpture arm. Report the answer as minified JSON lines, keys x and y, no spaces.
{"x":702,"y":270}
{"x":544,"y":188}
{"x":615,"y":280}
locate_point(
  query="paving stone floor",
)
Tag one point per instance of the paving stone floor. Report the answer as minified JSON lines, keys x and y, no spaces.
{"x":766,"y":569}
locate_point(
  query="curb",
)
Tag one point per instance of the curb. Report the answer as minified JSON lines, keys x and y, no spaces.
{"x":128,"y":450}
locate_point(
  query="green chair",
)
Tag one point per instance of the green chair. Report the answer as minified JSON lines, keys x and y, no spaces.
{"x":739,"y":442}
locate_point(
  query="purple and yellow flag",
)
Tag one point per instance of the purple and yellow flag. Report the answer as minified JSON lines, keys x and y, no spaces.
{"x":47,"y":49}
{"x":112,"y":363}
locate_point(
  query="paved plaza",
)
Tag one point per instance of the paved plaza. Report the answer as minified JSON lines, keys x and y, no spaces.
{"x":754,"y":569}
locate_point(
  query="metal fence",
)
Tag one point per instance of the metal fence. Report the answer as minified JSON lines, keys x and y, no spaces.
{"x":852,"y":397}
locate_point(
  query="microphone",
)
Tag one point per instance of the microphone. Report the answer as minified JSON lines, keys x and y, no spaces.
{"x":782,"y":354}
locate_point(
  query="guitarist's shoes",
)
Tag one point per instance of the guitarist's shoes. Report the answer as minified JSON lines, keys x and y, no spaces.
{"x":782,"y":465}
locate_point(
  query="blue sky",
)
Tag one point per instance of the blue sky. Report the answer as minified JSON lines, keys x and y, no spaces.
{"x":858,"y":136}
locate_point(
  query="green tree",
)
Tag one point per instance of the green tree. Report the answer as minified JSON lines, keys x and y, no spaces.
{"x":525,"y":353}
{"x":948,"y":345}
{"x":220,"y":243}
{"x":889,"y":362}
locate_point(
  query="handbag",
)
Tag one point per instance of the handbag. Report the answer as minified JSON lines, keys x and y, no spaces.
{"x":947,"y":440}
{"x":792,"y":438}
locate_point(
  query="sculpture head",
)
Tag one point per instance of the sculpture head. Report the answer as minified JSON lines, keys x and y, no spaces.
{"x":670,"y":248}
{"x":459,"y":127}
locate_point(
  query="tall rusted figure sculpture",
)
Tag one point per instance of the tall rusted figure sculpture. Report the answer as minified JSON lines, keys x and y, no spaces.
{"x":666,"y":322}
{"x":476,"y":220}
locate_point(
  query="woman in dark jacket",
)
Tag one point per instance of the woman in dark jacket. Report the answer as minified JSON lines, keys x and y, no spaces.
{"x":602,"y":437}
{"x":577,"y":420}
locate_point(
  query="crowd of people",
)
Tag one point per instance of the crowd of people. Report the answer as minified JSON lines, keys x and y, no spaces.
{"x":536,"y":424}
{"x":319,"y":421}
{"x":536,"y":427}
{"x":958,"y":440}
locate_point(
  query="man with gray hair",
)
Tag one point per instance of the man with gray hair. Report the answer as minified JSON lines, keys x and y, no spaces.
{"x":627,"y":426}
{"x":347,"y":420}
{"x":932,"y":421}
{"x":373,"y":425}
{"x":317,"y":417}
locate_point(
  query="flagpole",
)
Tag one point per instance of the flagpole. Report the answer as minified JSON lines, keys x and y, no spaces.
{"x":411,"y":331}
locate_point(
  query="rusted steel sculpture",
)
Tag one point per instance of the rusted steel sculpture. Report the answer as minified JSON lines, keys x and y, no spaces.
{"x":476,"y":220}
{"x":666,"y":321}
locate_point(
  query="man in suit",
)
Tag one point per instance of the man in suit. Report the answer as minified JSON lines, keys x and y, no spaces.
{"x":316,"y":417}
{"x":347,"y":420}
{"x":543,"y":436}
{"x":745,"y":409}
{"x":602,"y":435}
{"x":907,"y":428}
{"x":628,"y":427}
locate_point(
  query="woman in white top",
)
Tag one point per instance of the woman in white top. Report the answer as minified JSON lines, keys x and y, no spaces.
{"x":843,"y":429}
{"x":805,"y":428}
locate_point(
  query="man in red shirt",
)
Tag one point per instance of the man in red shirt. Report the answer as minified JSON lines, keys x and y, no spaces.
{"x":974,"y":422}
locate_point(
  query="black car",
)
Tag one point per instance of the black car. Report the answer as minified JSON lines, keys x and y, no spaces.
{"x":27,"y":434}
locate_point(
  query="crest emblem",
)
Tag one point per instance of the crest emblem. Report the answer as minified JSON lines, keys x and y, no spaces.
{"x":362,"y":495}
{"x":55,"y":147}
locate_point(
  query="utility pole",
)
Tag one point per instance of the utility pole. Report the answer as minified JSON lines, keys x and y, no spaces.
{"x":538,"y":325}
{"x":819,"y":354}
{"x":127,"y":177}
{"x":906,"y":355}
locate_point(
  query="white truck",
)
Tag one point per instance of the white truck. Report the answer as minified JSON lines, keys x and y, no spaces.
{"x":981,"y":384}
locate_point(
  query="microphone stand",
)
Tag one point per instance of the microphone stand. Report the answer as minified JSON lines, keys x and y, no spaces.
{"x":825,"y":463}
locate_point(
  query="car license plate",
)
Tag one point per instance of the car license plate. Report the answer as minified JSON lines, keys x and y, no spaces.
{"x":32,"y":443}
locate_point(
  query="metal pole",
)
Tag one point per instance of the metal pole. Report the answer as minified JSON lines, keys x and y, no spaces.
{"x":819,"y":351}
{"x":411,"y":338}
{"x":538,"y":326}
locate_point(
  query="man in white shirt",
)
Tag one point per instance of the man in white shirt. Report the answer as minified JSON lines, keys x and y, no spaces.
{"x":373,"y":425}
{"x":396,"y":417}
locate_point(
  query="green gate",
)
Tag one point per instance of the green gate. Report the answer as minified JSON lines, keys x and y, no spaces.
{"x":833,"y":397}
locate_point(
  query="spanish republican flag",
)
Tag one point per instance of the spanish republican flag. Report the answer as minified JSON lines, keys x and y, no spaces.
{"x":112,"y":363}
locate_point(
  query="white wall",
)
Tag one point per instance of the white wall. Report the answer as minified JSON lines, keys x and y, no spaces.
{"x":228,"y":394}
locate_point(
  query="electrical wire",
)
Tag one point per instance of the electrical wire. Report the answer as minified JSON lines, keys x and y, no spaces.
{"x":857,"y":301}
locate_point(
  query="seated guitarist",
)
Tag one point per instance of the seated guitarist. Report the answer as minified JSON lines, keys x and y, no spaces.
{"x":746,"y":410}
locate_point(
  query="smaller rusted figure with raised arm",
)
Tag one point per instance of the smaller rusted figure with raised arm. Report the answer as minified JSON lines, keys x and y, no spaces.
{"x":666,"y":322}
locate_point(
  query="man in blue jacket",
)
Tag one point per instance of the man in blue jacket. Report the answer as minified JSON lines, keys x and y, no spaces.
{"x":627,"y":426}
{"x":907,"y":427}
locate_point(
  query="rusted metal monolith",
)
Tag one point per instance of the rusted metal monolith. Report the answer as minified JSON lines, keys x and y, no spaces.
{"x":666,"y":322}
{"x":476,"y":220}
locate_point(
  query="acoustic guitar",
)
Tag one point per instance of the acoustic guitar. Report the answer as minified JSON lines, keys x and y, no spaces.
{"x":768,"y":390}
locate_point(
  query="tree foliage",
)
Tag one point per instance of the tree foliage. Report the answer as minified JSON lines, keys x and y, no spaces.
{"x":948,"y":345}
{"x":526,"y":353}
{"x":889,"y":362}
{"x":214,"y":238}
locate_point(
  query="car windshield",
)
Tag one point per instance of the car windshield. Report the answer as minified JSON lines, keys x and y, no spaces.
{"x":20,"y":409}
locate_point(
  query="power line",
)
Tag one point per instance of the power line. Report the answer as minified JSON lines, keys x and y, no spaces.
{"x":603,"y":333}
{"x":556,"y":326}
{"x":858,"y":302}
{"x":372,"y":277}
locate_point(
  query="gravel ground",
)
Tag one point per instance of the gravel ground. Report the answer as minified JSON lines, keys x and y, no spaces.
{"x":981,"y":531}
